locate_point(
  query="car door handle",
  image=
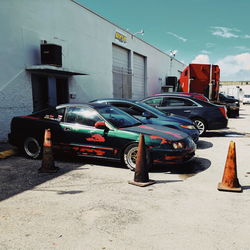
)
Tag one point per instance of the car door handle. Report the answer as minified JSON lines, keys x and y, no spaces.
{"x":67,"y":129}
{"x":187,"y":111}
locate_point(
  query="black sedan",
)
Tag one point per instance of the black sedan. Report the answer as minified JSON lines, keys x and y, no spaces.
{"x":150,"y":115}
{"x":206,"y":116}
{"x":99,"y":131}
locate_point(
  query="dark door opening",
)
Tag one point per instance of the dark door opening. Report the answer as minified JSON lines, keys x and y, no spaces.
{"x":62,"y":90}
{"x":48,"y":91}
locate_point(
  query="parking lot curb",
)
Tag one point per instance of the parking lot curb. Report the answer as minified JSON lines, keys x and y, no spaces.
{"x":7,"y":153}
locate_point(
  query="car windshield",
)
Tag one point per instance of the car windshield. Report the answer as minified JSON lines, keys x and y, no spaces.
{"x":117,"y":117}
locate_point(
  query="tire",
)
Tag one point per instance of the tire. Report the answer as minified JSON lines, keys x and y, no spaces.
{"x":130,"y":155}
{"x":201,"y":125}
{"x":32,"y":148}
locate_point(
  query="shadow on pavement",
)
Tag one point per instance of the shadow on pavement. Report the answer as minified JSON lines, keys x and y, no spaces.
{"x":245,"y":187}
{"x":186,"y":170}
{"x":224,"y":134}
{"x":88,"y":161}
{"x":18,"y":174}
{"x":204,"y":144}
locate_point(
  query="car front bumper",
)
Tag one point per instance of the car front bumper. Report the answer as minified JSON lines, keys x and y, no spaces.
{"x":161,"y":156}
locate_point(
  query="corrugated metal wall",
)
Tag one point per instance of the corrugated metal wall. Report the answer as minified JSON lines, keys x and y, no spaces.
{"x":138,"y":86}
{"x":122,"y":77}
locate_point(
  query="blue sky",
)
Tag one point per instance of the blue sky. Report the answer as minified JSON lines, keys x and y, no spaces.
{"x":201,"y":31}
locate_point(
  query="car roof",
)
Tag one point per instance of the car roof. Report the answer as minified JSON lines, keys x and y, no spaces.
{"x":203,"y":102}
{"x":193,"y":94}
{"x":172,"y":95}
{"x":112,"y":99}
{"x":93,"y":105}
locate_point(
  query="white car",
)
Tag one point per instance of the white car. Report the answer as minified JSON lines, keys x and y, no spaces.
{"x":246,"y":99}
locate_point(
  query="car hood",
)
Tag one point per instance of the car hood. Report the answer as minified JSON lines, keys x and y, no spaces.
{"x":167,"y":133}
{"x":177,"y":118}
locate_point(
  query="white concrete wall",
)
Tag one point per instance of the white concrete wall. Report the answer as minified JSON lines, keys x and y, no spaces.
{"x":86,"y":40}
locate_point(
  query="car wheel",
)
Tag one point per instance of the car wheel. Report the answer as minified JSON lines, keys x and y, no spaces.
{"x":32,"y":148}
{"x":201,"y":126}
{"x":130,"y":156}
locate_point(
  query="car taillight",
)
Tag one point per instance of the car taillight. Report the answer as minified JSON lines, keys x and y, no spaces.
{"x":223,"y":110}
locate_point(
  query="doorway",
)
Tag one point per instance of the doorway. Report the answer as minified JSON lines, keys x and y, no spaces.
{"x":49,"y":91}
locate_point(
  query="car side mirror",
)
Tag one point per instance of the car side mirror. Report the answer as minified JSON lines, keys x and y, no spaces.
{"x":147,"y":115}
{"x":100,"y":125}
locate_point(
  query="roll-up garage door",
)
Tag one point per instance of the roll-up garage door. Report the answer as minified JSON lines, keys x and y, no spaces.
{"x":138,"y":87}
{"x":122,"y":76}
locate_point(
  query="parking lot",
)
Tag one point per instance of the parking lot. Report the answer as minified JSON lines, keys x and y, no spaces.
{"x":90,"y":205}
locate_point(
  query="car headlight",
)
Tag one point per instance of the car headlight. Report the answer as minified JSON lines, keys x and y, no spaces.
{"x":178,"y":145}
{"x":188,"y":126}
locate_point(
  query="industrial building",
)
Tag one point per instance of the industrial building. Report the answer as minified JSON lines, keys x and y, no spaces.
{"x":235,"y":88}
{"x":57,"y":51}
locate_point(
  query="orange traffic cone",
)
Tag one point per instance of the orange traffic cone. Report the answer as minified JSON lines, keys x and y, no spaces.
{"x":48,"y":165}
{"x":230,"y":181}
{"x":141,"y":178}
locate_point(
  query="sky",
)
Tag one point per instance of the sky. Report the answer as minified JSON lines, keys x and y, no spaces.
{"x":199,"y":31}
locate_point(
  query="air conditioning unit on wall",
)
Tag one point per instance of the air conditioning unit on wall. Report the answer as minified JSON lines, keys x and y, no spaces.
{"x":51,"y":54}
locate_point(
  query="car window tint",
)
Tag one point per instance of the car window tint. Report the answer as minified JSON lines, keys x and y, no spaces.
{"x":154,"y":101}
{"x":176,"y":102}
{"x":117,"y":117}
{"x":55,"y":115}
{"x":129,"y":108}
{"x":136,"y":110}
{"x":83,"y":116}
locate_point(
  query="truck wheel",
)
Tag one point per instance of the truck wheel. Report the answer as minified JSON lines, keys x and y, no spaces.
{"x":32,"y":148}
{"x":201,"y":126}
{"x":130,"y":155}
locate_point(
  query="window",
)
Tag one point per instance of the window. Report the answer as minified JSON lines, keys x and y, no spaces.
{"x":117,"y":117}
{"x":129,"y":108}
{"x":84,"y":116}
{"x":176,"y":102}
{"x":57,"y":115}
{"x":154,"y":101}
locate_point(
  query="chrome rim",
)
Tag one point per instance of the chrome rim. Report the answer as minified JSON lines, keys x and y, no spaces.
{"x":131,"y":157}
{"x":200,"y":125}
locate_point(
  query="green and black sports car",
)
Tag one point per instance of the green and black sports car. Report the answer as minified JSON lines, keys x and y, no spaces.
{"x":100,"y":131}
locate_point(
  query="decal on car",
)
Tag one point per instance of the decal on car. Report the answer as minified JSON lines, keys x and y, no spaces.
{"x":96,"y":138}
{"x":163,"y":140}
{"x":92,"y":151}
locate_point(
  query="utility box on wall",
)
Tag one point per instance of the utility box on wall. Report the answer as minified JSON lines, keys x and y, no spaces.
{"x":51,"y":54}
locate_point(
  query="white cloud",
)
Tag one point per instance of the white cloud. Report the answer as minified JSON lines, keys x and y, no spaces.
{"x":178,"y":37}
{"x":235,"y":68}
{"x":224,"y":32}
{"x":246,"y":36}
{"x":203,"y":59}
